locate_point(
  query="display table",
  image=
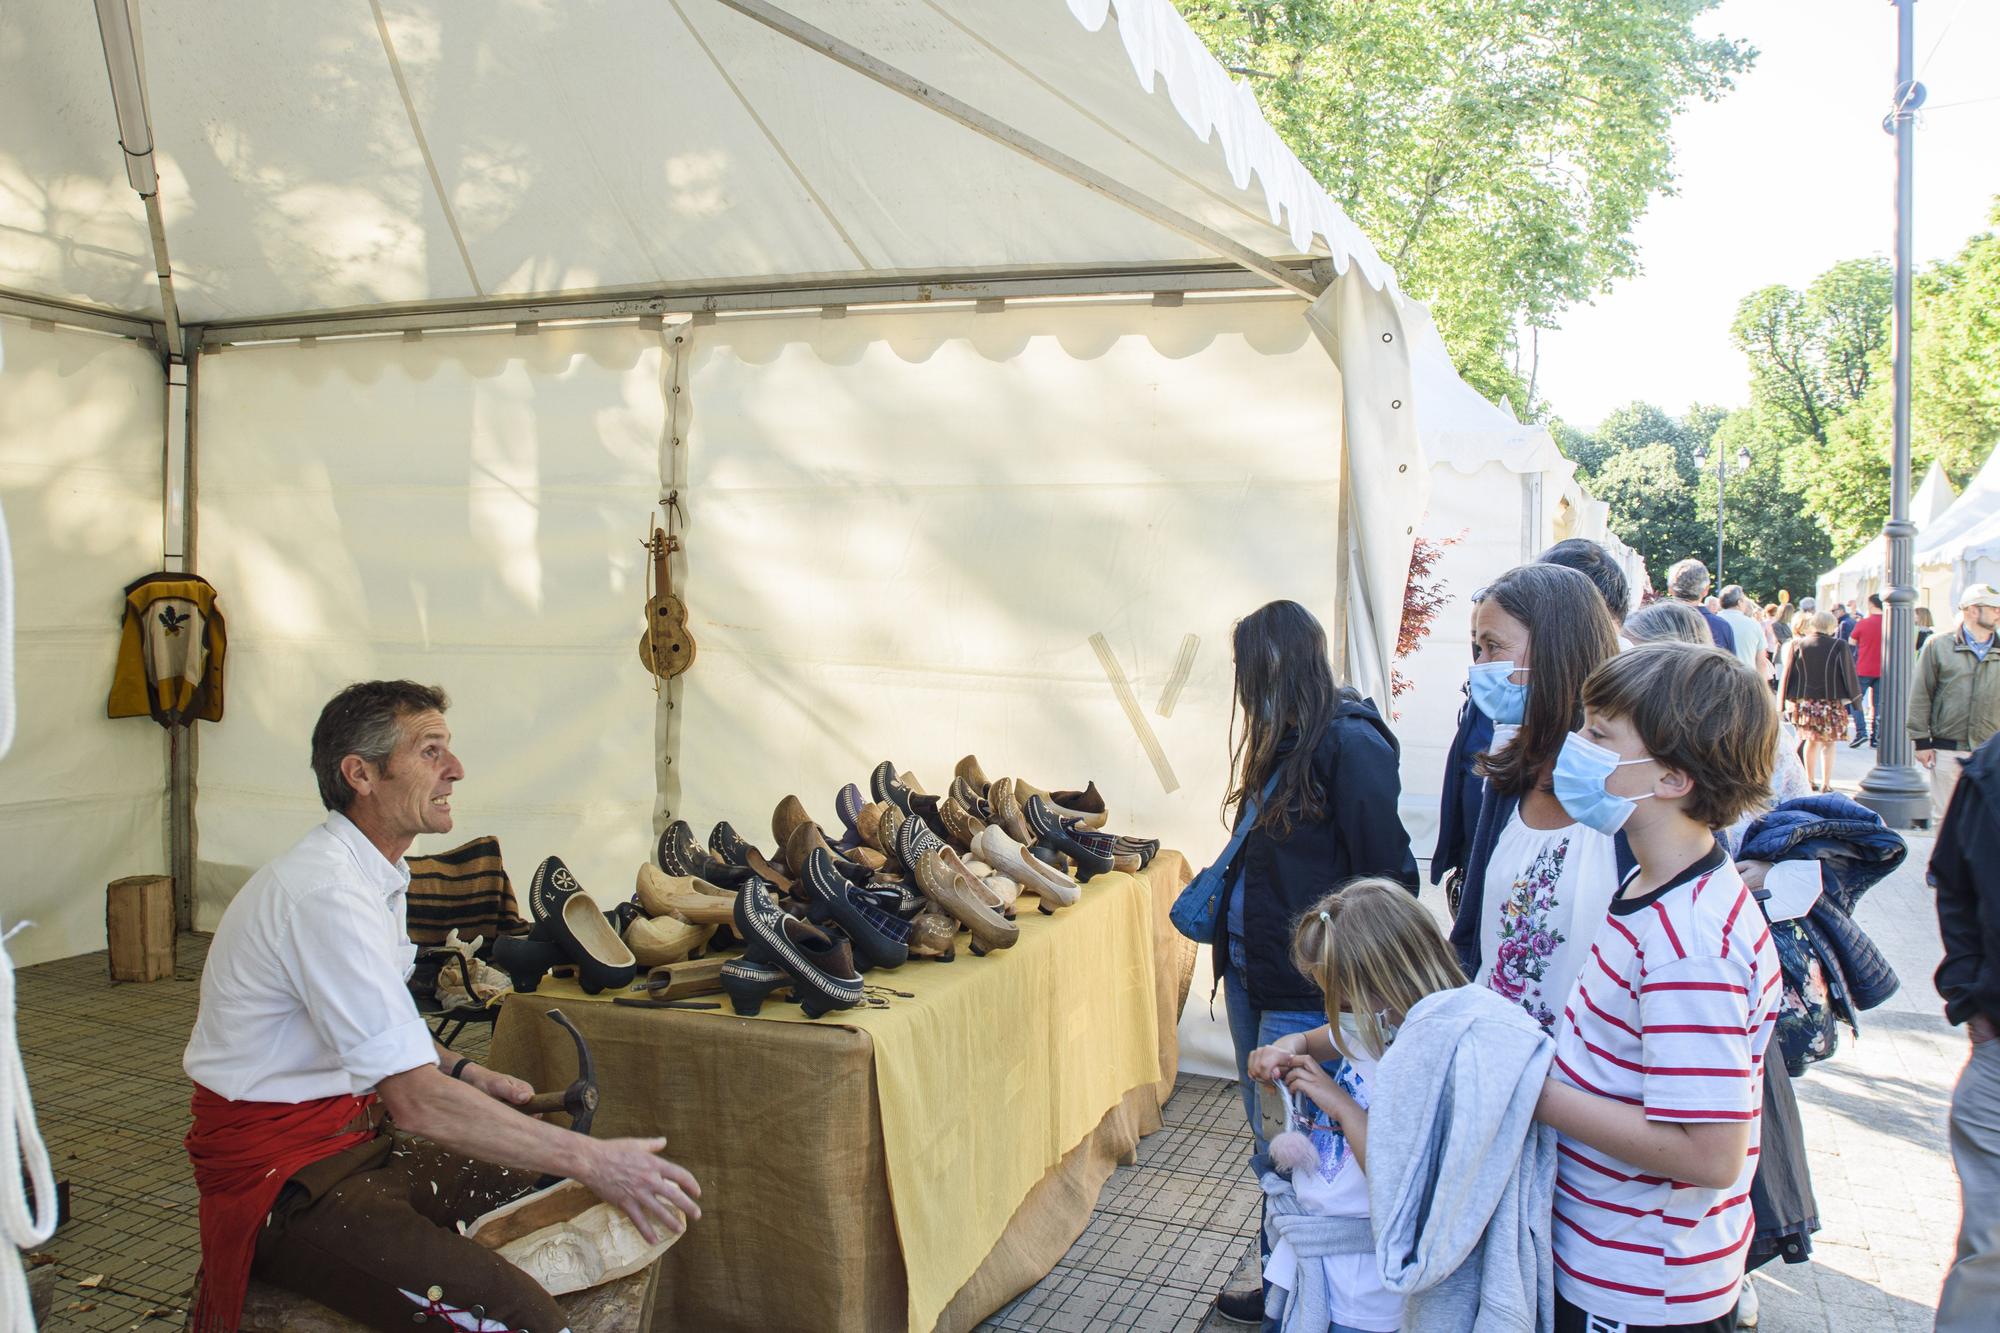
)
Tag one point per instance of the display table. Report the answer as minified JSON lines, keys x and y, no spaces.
{"x":912,"y":1166}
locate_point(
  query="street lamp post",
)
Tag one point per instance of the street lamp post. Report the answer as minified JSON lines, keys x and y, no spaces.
{"x":1721,"y":473}
{"x":1895,"y":788}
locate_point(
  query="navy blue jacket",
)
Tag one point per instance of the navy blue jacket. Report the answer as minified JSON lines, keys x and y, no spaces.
{"x":1854,"y":850}
{"x":1355,"y":766}
{"x":1458,"y":803}
{"x":1965,"y":871}
{"x":1494,"y":812}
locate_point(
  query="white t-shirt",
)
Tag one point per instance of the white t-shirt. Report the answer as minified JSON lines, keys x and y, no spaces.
{"x":1337,"y":1188}
{"x":304,"y":995}
{"x":1545,"y":892}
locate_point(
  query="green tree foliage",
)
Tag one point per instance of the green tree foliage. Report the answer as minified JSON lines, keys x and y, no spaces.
{"x":1497,"y":154}
{"x":1770,"y":538}
{"x":1652,"y":499}
{"x":1812,"y":352}
{"x":1954,"y":399}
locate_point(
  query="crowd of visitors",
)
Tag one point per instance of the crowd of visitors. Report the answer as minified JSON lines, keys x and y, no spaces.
{"x":1637,"y":823}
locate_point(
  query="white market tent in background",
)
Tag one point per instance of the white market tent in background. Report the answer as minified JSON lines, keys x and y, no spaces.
{"x":998,"y":357}
{"x":1957,"y":544}
{"x":1862,"y":573}
{"x":1501,"y":493}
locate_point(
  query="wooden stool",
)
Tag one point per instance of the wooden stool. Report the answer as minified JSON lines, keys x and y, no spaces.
{"x":621,"y":1306}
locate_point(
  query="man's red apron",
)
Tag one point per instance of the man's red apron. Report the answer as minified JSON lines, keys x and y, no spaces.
{"x":243,"y":1153}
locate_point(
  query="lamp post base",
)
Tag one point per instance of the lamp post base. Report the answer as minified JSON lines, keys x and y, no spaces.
{"x":1900,"y":793}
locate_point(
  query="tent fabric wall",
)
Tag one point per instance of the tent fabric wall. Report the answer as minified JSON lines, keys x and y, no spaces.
{"x":905,"y":529}
{"x":464,"y":510}
{"x":82,"y":797}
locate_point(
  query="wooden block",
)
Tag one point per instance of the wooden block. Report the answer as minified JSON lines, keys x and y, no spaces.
{"x":139,"y":926}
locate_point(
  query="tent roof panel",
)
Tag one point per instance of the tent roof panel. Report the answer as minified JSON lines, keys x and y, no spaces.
{"x":70,"y":227}
{"x":315,"y":159}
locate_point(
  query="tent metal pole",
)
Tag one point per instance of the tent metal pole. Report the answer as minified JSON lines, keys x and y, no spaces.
{"x":183,"y":743}
{"x":935,"y":289}
{"x":889,"y":76}
{"x":135,"y":137}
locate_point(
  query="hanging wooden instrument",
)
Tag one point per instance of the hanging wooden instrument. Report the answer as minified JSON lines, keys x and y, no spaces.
{"x":666,"y":648}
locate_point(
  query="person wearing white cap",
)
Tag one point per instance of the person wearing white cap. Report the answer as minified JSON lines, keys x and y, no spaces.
{"x":1955,"y":700}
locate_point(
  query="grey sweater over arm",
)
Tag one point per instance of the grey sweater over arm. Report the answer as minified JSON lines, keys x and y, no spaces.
{"x":1460,"y":1177}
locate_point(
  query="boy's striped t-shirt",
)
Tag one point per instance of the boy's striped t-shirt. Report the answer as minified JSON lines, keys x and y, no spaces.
{"x":1673,"y":1010}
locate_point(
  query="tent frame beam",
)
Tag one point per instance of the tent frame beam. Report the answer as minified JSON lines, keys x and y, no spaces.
{"x":96,"y":319}
{"x":972,"y":118}
{"x":752,"y":299}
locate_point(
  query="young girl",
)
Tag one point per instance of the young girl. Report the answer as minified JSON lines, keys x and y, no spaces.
{"x":1374,"y":952}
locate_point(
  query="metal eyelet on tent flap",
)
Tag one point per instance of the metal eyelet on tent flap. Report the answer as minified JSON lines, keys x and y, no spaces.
{"x":1395,"y":402}
{"x":1402,"y":467}
{"x":1388,"y":337}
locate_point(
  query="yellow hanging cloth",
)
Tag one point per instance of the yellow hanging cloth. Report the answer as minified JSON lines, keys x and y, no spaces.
{"x":170,"y":654}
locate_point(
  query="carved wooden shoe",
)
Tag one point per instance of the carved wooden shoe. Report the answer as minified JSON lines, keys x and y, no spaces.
{"x":1009,"y":858}
{"x":748,"y":984}
{"x":879,"y":940}
{"x":968,"y":770}
{"x":1091,"y":813}
{"x":933,"y":934}
{"x":822,"y":972}
{"x":868,"y":823}
{"x":727,"y":844}
{"x":791,"y":813}
{"x":1049,"y":832}
{"x":959,"y":825}
{"x":1007,"y":811}
{"x":659,"y":940}
{"x":847,"y":804}
{"x":552,"y":882}
{"x":567,"y":1239}
{"x":965,"y":899}
{"x":973,"y":803}
{"x":602,"y":960}
{"x":690,"y":899}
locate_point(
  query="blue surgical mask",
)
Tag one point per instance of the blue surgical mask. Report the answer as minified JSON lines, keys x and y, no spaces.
{"x":1582,"y":769}
{"x":1494,"y":694}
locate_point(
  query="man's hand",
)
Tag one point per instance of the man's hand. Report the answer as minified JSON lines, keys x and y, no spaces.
{"x":1981,"y":1029}
{"x":1927,"y":758}
{"x":1753,"y":873}
{"x":500,"y":1087}
{"x":644,"y":1185}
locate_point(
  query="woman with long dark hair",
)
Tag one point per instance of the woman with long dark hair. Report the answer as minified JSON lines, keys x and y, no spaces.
{"x":1537,"y":882}
{"x":1313,"y":768}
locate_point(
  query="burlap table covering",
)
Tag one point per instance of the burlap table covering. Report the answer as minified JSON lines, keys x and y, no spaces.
{"x":910,"y":1167}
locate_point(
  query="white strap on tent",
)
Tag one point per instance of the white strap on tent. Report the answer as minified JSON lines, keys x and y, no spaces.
{"x":6,"y":641}
{"x":20,"y":1228}
{"x":897,"y":80}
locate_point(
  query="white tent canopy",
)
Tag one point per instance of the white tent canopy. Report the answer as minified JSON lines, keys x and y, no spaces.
{"x":1862,"y":572}
{"x":351,"y":155}
{"x":972,"y":417}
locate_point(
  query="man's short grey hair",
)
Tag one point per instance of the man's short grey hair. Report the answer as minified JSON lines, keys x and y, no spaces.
{"x":1688,"y":580}
{"x":1808,"y":604}
{"x":1732,"y":596}
{"x":365,"y":719}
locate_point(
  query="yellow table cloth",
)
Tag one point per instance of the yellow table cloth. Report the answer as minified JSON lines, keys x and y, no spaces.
{"x":1023,"y":1073}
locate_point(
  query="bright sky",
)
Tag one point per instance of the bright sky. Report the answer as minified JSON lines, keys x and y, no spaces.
{"x":1784,"y":177}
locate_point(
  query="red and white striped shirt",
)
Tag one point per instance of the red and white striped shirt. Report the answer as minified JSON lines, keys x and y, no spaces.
{"x":1672,"y":1012}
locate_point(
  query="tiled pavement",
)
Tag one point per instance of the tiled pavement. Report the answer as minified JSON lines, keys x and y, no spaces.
{"x":103,"y":1062}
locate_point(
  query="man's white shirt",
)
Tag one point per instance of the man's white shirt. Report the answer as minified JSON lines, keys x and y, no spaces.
{"x":304,"y":992}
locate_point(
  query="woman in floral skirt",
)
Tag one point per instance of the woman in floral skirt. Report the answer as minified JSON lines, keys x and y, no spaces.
{"x":1537,"y":883}
{"x":1819,"y":680}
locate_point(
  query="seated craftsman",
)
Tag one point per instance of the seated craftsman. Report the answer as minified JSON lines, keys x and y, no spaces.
{"x":308,"y":1046}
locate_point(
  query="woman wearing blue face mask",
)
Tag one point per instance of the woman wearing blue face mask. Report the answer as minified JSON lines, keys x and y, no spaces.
{"x":1538,"y":878}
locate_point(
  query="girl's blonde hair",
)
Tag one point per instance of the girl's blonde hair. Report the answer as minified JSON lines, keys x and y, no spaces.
{"x":1372,"y":947}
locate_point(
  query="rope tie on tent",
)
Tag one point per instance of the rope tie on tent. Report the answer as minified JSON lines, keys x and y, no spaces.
{"x":21,"y":1227}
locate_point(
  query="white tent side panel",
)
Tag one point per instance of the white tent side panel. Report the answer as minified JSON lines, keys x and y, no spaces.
{"x":464,"y":511}
{"x":82,"y":796}
{"x":905,"y":530}
{"x":1489,"y":511}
